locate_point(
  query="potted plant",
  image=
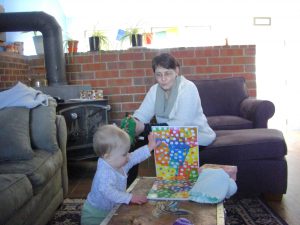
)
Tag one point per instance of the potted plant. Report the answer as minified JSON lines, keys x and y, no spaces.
{"x":135,"y":36}
{"x":72,"y":46}
{"x":38,"y":42}
{"x":98,"y":40}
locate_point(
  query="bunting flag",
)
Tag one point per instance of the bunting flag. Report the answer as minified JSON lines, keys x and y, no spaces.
{"x":121,"y":34}
{"x":148,"y":38}
{"x":172,"y":30}
{"x":161,"y":34}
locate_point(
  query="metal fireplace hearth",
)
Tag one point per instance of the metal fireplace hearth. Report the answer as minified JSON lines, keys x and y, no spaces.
{"x":82,"y":119}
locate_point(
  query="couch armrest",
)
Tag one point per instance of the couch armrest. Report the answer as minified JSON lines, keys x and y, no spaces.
{"x":258,"y":111}
{"x":62,"y":142}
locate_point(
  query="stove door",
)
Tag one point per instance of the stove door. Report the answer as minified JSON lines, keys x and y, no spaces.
{"x":82,"y":122}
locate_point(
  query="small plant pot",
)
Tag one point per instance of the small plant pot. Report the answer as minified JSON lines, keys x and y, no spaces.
{"x":136,"y":40}
{"x":72,"y":50}
{"x":94,"y":43}
{"x":38,"y":44}
{"x":72,"y":46}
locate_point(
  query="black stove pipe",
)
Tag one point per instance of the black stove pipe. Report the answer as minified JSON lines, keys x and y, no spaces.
{"x":52,"y":38}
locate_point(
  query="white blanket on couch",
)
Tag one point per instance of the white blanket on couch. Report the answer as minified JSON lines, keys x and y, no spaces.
{"x":22,"y":95}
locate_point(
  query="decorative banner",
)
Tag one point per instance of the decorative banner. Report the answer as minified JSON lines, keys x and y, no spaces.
{"x":148,"y":38}
{"x":161,"y":34}
{"x":173,"y":30}
{"x":121,"y":34}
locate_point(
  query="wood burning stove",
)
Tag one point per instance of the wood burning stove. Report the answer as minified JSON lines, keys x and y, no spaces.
{"x":83,"y":118}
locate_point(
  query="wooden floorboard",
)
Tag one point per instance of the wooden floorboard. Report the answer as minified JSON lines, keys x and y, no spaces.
{"x":82,"y":172}
{"x":289,"y":207}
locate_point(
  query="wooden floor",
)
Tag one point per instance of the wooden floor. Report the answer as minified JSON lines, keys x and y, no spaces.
{"x":81,"y":174}
{"x":289,"y":207}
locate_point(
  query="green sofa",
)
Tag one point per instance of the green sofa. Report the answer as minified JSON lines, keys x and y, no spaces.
{"x":33,"y":165}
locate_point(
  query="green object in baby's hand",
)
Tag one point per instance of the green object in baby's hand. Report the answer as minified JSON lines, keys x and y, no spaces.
{"x":128,"y":125}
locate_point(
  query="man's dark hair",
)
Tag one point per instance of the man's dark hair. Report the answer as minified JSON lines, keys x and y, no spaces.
{"x":164,"y":60}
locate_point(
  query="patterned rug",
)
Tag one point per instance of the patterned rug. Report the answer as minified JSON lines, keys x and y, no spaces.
{"x":243,"y":211}
{"x":250,"y":211}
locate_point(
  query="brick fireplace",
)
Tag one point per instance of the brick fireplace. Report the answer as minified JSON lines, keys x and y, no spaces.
{"x":126,"y":75}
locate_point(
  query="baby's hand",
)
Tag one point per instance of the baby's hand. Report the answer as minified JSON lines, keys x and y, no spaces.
{"x":152,"y":142}
{"x":138,"y":199}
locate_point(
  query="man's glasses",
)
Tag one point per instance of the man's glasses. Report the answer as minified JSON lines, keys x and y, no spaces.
{"x":166,"y":74}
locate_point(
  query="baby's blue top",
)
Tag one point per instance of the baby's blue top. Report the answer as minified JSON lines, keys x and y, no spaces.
{"x":109,"y":185}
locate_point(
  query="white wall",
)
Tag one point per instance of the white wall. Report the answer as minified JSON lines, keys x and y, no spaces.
{"x":52,"y":7}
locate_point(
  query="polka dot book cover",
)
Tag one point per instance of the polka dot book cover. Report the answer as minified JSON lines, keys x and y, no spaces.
{"x":176,"y":162}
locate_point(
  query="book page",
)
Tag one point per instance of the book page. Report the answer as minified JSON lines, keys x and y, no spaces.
{"x":176,"y":162}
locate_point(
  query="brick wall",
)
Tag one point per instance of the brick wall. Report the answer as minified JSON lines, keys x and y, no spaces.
{"x":14,"y":68}
{"x":125,"y":76}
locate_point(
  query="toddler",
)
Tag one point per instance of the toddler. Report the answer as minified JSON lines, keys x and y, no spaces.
{"x":112,"y":144}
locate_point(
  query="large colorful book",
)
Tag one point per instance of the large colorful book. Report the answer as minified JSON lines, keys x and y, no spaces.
{"x":176,"y":162}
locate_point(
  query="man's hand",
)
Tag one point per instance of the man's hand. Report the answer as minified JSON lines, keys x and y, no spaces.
{"x":138,"y":199}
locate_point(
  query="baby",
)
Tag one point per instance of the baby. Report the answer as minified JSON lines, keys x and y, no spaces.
{"x":111,"y":144}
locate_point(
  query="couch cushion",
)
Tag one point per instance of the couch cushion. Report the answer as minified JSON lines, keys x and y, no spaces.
{"x":14,"y":134}
{"x":222,"y":96}
{"x":233,"y":146}
{"x":43,"y":127}
{"x":229,"y":123}
{"x":15,"y":191}
{"x":38,"y":170}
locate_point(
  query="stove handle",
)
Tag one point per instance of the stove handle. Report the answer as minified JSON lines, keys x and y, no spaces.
{"x":74,"y":116}
{"x":106,"y":107}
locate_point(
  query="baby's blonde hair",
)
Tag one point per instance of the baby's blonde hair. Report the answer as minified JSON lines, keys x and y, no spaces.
{"x":109,"y":138}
